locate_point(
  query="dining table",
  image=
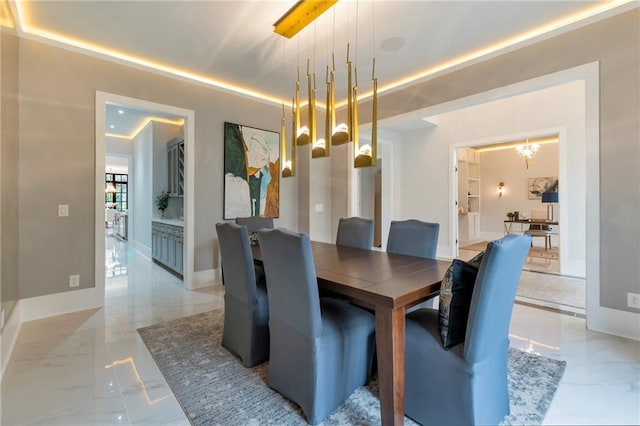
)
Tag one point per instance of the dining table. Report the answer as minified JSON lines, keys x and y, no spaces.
{"x":386,"y":284}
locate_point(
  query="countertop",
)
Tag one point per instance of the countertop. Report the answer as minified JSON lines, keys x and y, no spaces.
{"x":174,"y":222}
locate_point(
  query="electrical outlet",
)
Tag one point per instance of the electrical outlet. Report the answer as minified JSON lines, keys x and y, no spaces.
{"x":63,"y":210}
{"x":633,"y":300}
{"x":74,"y":280}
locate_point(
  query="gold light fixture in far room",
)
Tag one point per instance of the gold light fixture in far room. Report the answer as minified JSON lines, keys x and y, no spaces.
{"x":528,"y":151}
{"x":500,"y":189}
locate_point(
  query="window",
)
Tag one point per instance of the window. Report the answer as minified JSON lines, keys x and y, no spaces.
{"x":116,"y":190}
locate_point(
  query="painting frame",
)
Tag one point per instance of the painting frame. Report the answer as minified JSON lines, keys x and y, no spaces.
{"x":251,"y":172}
{"x":537,"y":185}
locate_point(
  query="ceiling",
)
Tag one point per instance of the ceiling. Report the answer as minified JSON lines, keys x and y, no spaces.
{"x":231,"y":44}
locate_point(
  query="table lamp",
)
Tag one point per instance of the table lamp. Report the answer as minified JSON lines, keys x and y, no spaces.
{"x":550,"y":197}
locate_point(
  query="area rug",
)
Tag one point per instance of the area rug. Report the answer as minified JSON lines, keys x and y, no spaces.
{"x":215,"y":389}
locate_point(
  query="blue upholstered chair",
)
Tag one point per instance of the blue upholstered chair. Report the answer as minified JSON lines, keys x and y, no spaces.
{"x":321,"y":349}
{"x":355,"y":232}
{"x":246,"y":309}
{"x":467,"y":384}
{"x":255,"y":223}
{"x":413,"y":238}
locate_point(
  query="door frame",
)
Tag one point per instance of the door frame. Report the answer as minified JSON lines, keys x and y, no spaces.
{"x":102,"y":98}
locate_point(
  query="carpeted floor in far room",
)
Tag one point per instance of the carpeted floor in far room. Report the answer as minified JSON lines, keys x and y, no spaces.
{"x":214,"y":388}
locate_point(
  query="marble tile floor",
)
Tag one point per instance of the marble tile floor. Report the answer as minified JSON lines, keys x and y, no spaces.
{"x":91,"y":367}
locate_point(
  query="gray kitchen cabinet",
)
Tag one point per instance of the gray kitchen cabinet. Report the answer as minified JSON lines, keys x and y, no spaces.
{"x":175,"y":156}
{"x":167,"y":243}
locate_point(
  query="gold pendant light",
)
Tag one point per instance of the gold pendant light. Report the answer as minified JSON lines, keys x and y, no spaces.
{"x":302,"y":134}
{"x":366,"y":155}
{"x":341,"y":133}
{"x":286,"y":165}
{"x":321,"y":148}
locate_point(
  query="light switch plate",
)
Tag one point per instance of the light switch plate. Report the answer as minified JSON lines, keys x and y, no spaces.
{"x":74,"y":280}
{"x":63,"y":210}
{"x":633,"y":300}
{"x":319,"y":208}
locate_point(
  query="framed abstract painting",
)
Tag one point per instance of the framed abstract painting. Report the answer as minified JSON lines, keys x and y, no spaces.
{"x":536,"y":186}
{"x":251,"y":172}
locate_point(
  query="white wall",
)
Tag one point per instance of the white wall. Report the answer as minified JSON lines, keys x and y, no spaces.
{"x":508,"y":166}
{"x":142,"y":189}
{"x":425,"y":175}
{"x":163,"y":133}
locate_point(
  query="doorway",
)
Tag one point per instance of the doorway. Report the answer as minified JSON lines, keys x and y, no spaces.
{"x":102,"y":100}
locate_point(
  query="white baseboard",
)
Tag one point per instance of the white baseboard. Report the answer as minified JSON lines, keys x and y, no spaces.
{"x":141,"y":248}
{"x":205,"y":278}
{"x":8,"y":337}
{"x":612,"y":321}
{"x":50,"y":305}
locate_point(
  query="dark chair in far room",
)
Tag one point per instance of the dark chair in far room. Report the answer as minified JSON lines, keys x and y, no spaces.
{"x":246,"y":309}
{"x":355,"y":232}
{"x":413,"y":238}
{"x":456,"y":358}
{"x":321,"y":349}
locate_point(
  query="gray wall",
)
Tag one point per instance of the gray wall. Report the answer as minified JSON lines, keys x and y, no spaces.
{"x":615,"y":43}
{"x":57,"y":90}
{"x":9,"y":171}
{"x":57,"y":150}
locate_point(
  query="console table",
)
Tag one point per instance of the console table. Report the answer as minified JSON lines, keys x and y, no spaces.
{"x":509,"y":222}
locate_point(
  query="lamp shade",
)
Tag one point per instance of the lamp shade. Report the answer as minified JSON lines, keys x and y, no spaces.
{"x":549,"y":197}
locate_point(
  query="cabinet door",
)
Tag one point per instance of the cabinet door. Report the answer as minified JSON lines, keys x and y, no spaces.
{"x":154,"y":244}
{"x":179,"y":248}
{"x":180,"y":169}
{"x":474,"y":226}
{"x":171,"y":170}
{"x":164,"y":248}
{"x":171,"y":251}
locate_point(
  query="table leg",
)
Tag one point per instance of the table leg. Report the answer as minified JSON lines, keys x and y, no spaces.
{"x":390,"y":339}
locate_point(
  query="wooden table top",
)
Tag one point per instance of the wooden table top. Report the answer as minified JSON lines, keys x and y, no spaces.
{"x":375,"y":277}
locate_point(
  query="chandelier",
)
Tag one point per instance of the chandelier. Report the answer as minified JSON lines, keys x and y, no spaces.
{"x":528,"y":151}
{"x":295,"y":19}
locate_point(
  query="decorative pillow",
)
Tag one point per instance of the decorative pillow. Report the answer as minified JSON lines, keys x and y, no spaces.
{"x":455,"y":300}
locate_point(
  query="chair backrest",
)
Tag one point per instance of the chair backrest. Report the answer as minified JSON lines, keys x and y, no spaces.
{"x":355,"y":232}
{"x":255,"y":223}
{"x":237,"y":262}
{"x":292,"y":286}
{"x":539,"y":214}
{"x":413,"y":237}
{"x":494,"y":295}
